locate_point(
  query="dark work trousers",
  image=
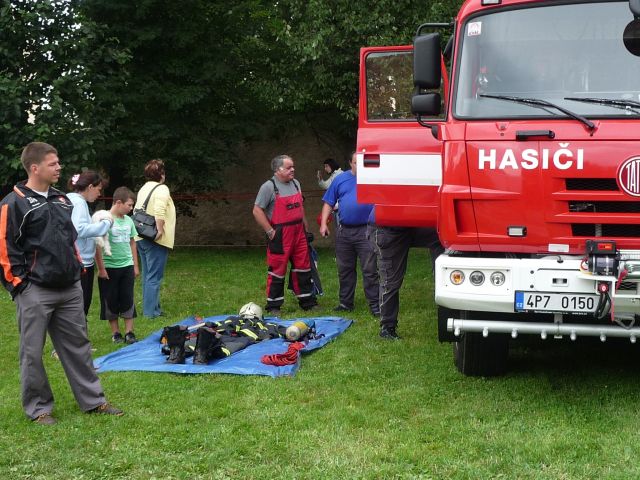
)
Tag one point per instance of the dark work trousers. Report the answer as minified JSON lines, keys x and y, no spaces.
{"x":86,"y":281}
{"x":351,"y":245}
{"x":391,"y":245}
{"x":59,"y":312}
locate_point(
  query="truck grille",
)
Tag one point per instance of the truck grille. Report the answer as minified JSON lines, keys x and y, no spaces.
{"x":627,"y":286}
{"x":604,"y":207}
{"x":601,"y":229}
{"x":605,"y":230}
{"x":598,"y":184}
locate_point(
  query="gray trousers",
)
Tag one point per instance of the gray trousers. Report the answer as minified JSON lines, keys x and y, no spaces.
{"x":391,"y":245}
{"x":351,"y":245}
{"x":61,"y":313}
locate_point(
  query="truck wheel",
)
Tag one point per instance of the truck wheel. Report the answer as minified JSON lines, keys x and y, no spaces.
{"x":477,"y":356}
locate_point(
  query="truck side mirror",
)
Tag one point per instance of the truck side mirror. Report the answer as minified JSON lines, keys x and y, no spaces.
{"x":427,"y":104}
{"x":631,"y":37}
{"x":426,"y":62}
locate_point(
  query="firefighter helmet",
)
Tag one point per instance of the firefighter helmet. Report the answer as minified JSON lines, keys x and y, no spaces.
{"x":251,"y":311}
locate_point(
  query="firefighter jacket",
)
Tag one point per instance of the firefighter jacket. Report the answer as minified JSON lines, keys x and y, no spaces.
{"x":37,"y":240}
{"x":254,"y":329}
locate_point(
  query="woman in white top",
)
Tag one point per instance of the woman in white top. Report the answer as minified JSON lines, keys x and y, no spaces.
{"x":85,"y":188}
{"x":332,"y":169}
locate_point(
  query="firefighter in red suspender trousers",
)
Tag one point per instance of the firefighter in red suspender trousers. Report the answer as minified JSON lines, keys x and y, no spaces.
{"x":279,"y":211}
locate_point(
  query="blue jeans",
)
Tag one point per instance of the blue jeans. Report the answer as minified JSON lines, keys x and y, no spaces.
{"x":153,"y":258}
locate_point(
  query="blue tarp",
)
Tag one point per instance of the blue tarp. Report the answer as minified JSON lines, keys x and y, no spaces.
{"x":145,"y":355}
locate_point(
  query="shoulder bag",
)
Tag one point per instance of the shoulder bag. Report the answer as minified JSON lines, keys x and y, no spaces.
{"x":145,"y":224}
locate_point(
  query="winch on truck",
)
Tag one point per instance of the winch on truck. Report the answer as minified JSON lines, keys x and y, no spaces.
{"x":529,"y":168}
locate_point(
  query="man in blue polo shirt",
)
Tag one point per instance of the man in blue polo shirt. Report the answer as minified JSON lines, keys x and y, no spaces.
{"x":351,"y":241}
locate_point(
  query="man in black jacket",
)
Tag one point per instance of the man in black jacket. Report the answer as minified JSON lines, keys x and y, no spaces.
{"x":41,"y":270}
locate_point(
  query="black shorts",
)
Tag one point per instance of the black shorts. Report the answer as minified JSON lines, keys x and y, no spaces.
{"x":116,"y":294}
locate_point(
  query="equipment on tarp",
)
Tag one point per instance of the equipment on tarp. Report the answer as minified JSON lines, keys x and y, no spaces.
{"x":219,"y":339}
{"x":290,"y":357}
{"x":251,"y":311}
{"x":175,"y":336}
{"x":211,"y":345}
{"x":145,"y":355}
{"x":299,"y":330}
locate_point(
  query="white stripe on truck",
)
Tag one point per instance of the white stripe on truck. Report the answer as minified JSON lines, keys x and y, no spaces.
{"x":402,"y":169}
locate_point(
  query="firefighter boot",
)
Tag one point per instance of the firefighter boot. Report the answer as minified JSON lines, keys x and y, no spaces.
{"x":205,"y":343}
{"x":176,"y":336}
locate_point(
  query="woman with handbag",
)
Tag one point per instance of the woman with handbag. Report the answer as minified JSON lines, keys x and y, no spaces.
{"x":154,"y":198}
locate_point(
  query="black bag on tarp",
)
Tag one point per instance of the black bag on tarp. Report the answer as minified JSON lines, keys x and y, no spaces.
{"x":145,"y":224}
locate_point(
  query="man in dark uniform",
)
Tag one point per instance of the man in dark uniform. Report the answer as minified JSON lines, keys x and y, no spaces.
{"x":279,"y":211}
{"x":41,"y":270}
{"x":392,"y":245}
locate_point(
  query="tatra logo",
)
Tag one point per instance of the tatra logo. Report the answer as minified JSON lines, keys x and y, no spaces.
{"x":629,"y":176}
{"x":531,"y":159}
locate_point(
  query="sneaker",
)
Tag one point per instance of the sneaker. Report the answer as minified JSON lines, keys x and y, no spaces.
{"x":342,"y":308}
{"x":274,"y":312}
{"x":117,"y":338}
{"x":130,"y":338}
{"x":310,"y":308}
{"x":107,"y":409}
{"x":45,"y":419}
{"x":389,"y":334}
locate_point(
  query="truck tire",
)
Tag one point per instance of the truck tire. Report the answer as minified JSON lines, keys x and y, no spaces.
{"x":477,"y":356}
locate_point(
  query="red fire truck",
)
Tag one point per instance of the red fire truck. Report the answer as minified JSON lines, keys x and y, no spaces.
{"x":526,"y":157}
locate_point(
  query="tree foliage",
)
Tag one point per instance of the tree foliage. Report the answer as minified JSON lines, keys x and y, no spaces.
{"x":54,"y":71}
{"x":113,"y":83}
{"x":206,"y":75}
{"x":321,"y":42}
{"x":184,"y":98}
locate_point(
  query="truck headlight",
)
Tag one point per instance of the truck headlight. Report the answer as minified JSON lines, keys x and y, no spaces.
{"x":497,"y":279}
{"x":476,"y":278}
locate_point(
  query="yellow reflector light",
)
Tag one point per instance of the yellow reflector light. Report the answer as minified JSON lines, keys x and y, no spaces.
{"x":456,"y":277}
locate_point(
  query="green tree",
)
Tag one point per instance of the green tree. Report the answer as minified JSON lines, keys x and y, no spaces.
{"x":115,"y":83}
{"x":185,"y":99}
{"x":314,"y":48}
{"x":54,"y":71}
{"x":206,"y":75}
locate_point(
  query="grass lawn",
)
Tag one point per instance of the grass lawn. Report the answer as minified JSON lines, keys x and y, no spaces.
{"x":361,"y":407}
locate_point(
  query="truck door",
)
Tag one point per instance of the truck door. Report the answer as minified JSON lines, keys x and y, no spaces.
{"x":399,"y":161}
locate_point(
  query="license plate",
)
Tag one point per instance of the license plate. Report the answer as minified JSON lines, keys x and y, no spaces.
{"x":555,"y":302}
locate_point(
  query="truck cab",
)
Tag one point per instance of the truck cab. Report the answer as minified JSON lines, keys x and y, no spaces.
{"x":536,"y":193}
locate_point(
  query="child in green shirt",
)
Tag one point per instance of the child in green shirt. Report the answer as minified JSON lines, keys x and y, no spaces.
{"x":117,"y":272}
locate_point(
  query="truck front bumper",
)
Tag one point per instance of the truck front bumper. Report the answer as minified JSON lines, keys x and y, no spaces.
{"x":558,"y":279}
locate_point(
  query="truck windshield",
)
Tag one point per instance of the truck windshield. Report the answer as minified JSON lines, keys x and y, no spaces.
{"x":570,"y":55}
